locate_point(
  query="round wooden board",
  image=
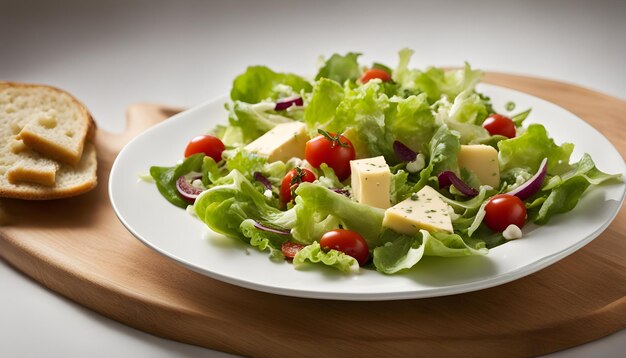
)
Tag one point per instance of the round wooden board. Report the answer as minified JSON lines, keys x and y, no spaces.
{"x":77,"y":247}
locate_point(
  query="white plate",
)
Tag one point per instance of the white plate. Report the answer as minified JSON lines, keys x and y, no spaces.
{"x":172,"y":232}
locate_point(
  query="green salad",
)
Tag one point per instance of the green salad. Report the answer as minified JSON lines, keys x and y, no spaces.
{"x":373,"y":167}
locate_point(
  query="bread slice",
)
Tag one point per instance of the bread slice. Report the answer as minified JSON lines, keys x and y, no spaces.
{"x":29,"y":167}
{"x":26,"y":173}
{"x":57,"y":123}
{"x":70,"y":180}
{"x":33,"y":171}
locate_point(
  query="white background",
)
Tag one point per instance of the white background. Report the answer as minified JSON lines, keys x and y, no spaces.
{"x":112,"y":54}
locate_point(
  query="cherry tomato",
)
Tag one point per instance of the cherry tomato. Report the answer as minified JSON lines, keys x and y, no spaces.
{"x":334,"y":150}
{"x":499,"y":124}
{"x":375,"y":73}
{"x":207,"y":144}
{"x":291,"y":181}
{"x":347,"y":241}
{"x":503,"y":210}
{"x":290,"y":249}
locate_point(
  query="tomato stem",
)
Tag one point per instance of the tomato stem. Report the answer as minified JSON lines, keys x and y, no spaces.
{"x":334,"y":140}
{"x":295,"y":180}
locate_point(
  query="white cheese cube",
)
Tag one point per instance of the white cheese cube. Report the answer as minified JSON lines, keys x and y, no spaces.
{"x":283,"y":142}
{"x":483,"y":161}
{"x":371,"y":181}
{"x":422,"y":210}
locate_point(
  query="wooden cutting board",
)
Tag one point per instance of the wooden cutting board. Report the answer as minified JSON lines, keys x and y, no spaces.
{"x":77,"y":247}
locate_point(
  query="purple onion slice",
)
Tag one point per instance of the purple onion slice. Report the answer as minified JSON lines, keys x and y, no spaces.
{"x":341,"y":191}
{"x":186,"y":190}
{"x":263,"y":180}
{"x":448,"y":178}
{"x":532,"y":185}
{"x":284,"y":103}
{"x":262,"y":227}
{"x":404,"y":153}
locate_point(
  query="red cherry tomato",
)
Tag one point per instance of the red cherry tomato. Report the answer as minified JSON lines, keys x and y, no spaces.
{"x":499,"y":124}
{"x":291,"y":181}
{"x":207,"y":144}
{"x":290,"y":249}
{"x":503,"y":210}
{"x":347,"y":241}
{"x":334,"y":150}
{"x":375,"y":73}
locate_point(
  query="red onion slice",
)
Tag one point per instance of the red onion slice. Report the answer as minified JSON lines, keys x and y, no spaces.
{"x":532,"y":185}
{"x":263,"y":180}
{"x":448,"y":178}
{"x":262,"y":227}
{"x":185,"y":189}
{"x":284,"y":103}
{"x":341,"y":191}
{"x":404,"y":153}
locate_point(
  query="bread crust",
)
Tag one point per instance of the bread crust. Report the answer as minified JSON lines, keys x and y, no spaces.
{"x":35,"y":194}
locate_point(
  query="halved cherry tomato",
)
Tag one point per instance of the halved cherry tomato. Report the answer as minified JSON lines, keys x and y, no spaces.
{"x":335,"y":150}
{"x":290,"y":249}
{"x":347,"y":241}
{"x":291,"y":181}
{"x":499,"y":124}
{"x":503,"y":210}
{"x":207,"y":144}
{"x":375,"y":73}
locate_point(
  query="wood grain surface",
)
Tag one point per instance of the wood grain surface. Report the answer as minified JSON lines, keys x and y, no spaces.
{"x":77,"y":247}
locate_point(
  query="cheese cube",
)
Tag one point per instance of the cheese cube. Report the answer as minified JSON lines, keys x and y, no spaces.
{"x":371,"y":181}
{"x":422,"y":210}
{"x":283,"y":142}
{"x":483,"y":161}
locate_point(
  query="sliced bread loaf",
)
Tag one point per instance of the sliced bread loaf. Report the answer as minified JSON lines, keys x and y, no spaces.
{"x":55,"y":123}
{"x":29,"y":174}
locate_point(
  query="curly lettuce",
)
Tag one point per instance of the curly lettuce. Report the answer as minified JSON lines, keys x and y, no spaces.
{"x":313,"y":253}
{"x":259,"y":83}
{"x":435,"y":82}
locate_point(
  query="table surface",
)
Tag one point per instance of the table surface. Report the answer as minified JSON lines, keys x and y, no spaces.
{"x":116,"y":53}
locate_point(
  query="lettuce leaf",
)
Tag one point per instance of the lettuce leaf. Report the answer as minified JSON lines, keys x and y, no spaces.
{"x":465,"y":115}
{"x":435,"y":82}
{"x":444,"y":150}
{"x":253,"y":120}
{"x":341,"y":68}
{"x":210,"y":171}
{"x":259,"y":83}
{"x":322,"y":106}
{"x":586,"y":168}
{"x":402,"y":74}
{"x":562,"y":193}
{"x":373,"y":121}
{"x":224,"y":207}
{"x":406,"y":251}
{"x":261,"y":239}
{"x":327,"y":178}
{"x":337,"y":259}
{"x":528,"y":150}
{"x":165,"y":178}
{"x":362,"y":112}
{"x":562,"y":199}
{"x":319,"y":210}
{"x":412,"y":122}
{"x":400,"y":188}
{"x":243,"y":161}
